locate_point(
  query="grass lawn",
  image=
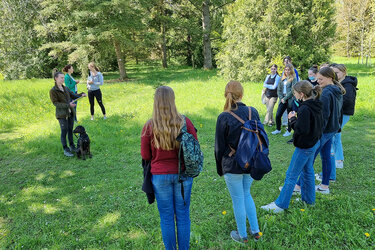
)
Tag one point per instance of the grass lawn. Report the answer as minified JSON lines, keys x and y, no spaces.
{"x":51,"y":201}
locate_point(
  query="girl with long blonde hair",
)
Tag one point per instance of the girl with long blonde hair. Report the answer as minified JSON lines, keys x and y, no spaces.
{"x":284,"y":92}
{"x":159,"y":146}
{"x":228,"y":132}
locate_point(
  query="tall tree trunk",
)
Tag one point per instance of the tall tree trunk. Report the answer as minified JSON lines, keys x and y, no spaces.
{"x":189,"y":53}
{"x":163,"y":47}
{"x":206,"y":23}
{"x":348,"y":29}
{"x":120,"y":59}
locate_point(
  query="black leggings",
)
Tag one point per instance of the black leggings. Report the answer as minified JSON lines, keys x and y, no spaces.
{"x":280,"y":110}
{"x":66,"y":126}
{"x":98,"y":95}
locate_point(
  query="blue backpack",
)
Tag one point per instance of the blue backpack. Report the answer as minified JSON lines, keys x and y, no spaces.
{"x":252,"y":149}
{"x":191,"y":152}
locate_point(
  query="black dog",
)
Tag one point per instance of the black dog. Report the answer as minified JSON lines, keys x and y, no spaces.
{"x":83,"y":143}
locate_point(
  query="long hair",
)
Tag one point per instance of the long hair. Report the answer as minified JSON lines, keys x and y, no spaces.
{"x":94,"y":65}
{"x":292,"y":74}
{"x":233,"y":93}
{"x":329,"y":73}
{"x":166,"y":122}
{"x":308,"y":89}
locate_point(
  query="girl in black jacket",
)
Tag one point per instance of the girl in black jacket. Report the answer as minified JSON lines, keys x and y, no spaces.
{"x":228,"y":132}
{"x":350,"y":85}
{"x":308,"y":129}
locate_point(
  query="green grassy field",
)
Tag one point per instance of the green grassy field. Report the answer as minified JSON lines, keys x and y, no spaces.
{"x":51,"y":201}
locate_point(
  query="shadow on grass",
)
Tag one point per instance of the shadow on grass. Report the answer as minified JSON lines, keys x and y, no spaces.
{"x":53,"y":201}
{"x":156,"y":76}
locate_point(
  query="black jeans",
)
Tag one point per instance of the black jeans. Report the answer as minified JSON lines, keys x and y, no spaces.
{"x":66,"y":126}
{"x":98,"y":95}
{"x":280,"y":110}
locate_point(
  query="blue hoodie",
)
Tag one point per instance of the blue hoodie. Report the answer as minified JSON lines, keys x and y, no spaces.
{"x":332,"y":105}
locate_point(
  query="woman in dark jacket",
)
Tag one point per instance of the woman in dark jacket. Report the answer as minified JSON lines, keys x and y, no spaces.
{"x":350,"y":85}
{"x":332,"y":104}
{"x":307,"y":132}
{"x":61,"y":97}
{"x":228,"y":131}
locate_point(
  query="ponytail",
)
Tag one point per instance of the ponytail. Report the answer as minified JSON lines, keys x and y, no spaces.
{"x":338,"y":84}
{"x":233,"y":93}
{"x":316,"y":91}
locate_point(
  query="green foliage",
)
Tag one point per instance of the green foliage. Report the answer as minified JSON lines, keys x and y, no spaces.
{"x":257,"y":32}
{"x":48,"y":201}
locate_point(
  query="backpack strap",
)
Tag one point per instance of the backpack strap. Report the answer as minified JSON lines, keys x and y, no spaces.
{"x":233,"y":151}
{"x":180,"y":152}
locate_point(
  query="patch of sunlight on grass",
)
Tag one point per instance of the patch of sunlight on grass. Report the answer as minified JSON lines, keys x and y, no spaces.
{"x":67,"y":173}
{"x":136,"y":234}
{"x":45,"y":208}
{"x":40,"y":176}
{"x":30,"y":192}
{"x":117,"y":235}
{"x":108,"y":220}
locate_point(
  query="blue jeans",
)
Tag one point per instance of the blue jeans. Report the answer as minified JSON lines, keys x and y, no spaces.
{"x":302,"y":163}
{"x":337,"y":145}
{"x":328,"y":160}
{"x":167,"y":191}
{"x":243,"y":204}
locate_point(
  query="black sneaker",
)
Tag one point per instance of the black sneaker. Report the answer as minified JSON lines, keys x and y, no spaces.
{"x":68,"y":153}
{"x":290,"y":141}
{"x":256,"y":236}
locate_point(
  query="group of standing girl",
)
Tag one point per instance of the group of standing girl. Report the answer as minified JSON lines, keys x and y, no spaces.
{"x":62,"y":98}
{"x":326,"y":101}
{"x":319,"y":104}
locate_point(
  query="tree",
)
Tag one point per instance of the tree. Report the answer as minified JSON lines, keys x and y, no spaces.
{"x":257,"y":33}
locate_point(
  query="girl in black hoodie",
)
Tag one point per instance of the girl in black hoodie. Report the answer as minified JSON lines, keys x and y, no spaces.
{"x":350,"y":85}
{"x":308,"y":129}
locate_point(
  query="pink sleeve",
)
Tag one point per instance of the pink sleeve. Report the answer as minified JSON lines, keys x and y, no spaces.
{"x":146,"y":152}
{"x":190,"y":128}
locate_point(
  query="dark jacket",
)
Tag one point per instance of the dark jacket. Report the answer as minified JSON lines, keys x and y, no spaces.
{"x":332,"y":104}
{"x":308,"y":126}
{"x":62,"y":99}
{"x":228,"y":132}
{"x":147,"y":181}
{"x":350,"y":85}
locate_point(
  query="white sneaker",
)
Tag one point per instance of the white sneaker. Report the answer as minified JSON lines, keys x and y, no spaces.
{"x":287,"y":133}
{"x":295,"y":190}
{"x":272,"y":207}
{"x":92,"y":118}
{"x":339,"y":164}
{"x":276,"y":132}
{"x":105,"y":117}
{"x":321,"y":190}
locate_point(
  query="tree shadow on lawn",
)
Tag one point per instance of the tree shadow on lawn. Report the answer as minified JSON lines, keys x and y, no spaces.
{"x":81,"y":198}
{"x":99,"y":202}
{"x":156,"y":76}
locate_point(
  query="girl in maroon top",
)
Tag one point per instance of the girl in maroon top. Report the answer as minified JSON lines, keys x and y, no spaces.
{"x":159,"y":145}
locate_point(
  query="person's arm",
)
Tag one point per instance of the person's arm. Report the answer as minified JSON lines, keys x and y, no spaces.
{"x":296,"y":72}
{"x":301,"y":125}
{"x":73,"y":95}
{"x":280,"y":90}
{"x":326,"y":100}
{"x":100,"y":79}
{"x":190,"y":128}
{"x":146,"y":151}
{"x":220,"y":143}
{"x":289,"y":94}
{"x":277,"y":80}
{"x":265,"y":81}
{"x":55,"y":100}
